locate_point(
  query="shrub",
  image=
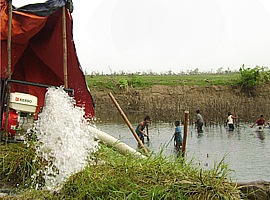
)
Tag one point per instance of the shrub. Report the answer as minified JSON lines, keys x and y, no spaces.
{"x":135,"y":81}
{"x":122,"y":84}
{"x":252,"y":77}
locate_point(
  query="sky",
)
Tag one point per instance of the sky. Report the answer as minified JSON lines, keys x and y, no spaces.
{"x":170,"y":35}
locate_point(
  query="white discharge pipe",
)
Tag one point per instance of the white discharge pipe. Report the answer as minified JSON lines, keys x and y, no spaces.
{"x":111,"y":141}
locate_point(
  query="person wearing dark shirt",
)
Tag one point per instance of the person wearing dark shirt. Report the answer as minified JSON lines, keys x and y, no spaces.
{"x":140,"y":128}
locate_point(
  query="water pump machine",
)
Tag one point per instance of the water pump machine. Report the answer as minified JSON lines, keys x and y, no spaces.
{"x":21,"y":115}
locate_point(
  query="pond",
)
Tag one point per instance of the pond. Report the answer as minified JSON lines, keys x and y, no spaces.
{"x":245,"y":150}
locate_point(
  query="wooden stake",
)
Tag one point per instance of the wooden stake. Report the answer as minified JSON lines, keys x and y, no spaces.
{"x":64,"y":37}
{"x":185,"y":134}
{"x":9,"y":65}
{"x":128,"y":123}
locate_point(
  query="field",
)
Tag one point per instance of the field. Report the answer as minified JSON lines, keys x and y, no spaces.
{"x":137,"y":81}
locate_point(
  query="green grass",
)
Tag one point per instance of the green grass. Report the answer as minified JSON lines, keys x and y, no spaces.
{"x":157,"y":177}
{"x":124,"y":81}
{"x":126,"y":177}
{"x":18,"y":163}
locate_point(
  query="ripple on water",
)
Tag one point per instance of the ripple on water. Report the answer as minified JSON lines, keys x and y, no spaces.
{"x":245,"y":151}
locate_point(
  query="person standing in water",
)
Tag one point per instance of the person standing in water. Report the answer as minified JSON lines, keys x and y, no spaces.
{"x":140,"y":128}
{"x":230,"y":121}
{"x":178,"y":139}
{"x":199,"y":121}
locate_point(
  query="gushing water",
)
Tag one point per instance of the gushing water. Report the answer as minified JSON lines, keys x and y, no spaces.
{"x":63,"y":138}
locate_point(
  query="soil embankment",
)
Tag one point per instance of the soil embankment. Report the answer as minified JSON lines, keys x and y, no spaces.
{"x":165,"y":103}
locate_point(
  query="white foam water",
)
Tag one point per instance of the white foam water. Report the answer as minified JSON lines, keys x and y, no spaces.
{"x":63,"y":138}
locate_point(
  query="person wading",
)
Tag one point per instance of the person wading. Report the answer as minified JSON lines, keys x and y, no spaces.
{"x":230,"y":121}
{"x":260,"y":122}
{"x":140,"y":128}
{"x":178,"y":139}
{"x":199,"y":121}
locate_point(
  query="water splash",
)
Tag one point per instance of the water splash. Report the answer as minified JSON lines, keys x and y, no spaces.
{"x":63,"y":138}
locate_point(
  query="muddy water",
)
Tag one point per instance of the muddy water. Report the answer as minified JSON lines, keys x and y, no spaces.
{"x":246,"y":151}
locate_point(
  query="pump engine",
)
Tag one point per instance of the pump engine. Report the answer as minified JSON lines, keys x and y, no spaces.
{"x":21,"y":116}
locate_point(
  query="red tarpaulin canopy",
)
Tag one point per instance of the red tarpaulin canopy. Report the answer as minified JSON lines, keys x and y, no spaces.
{"x":37,"y":55}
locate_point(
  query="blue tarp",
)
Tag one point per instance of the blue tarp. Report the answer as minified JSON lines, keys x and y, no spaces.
{"x":46,"y":8}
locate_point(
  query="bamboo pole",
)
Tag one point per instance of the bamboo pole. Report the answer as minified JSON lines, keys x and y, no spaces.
{"x":64,"y":37}
{"x":128,"y":123}
{"x":185,"y":134}
{"x":9,"y":66}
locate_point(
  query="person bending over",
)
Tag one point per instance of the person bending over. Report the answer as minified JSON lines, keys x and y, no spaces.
{"x":140,"y":128}
{"x":259,"y":122}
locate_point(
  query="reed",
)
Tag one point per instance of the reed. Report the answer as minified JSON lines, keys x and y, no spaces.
{"x":165,"y":104}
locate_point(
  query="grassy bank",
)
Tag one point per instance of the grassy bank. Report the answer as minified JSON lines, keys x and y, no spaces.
{"x":124,"y":177}
{"x":124,"y":81}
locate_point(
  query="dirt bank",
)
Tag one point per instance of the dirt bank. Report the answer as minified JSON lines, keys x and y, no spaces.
{"x":255,"y":190}
{"x":165,"y":103}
